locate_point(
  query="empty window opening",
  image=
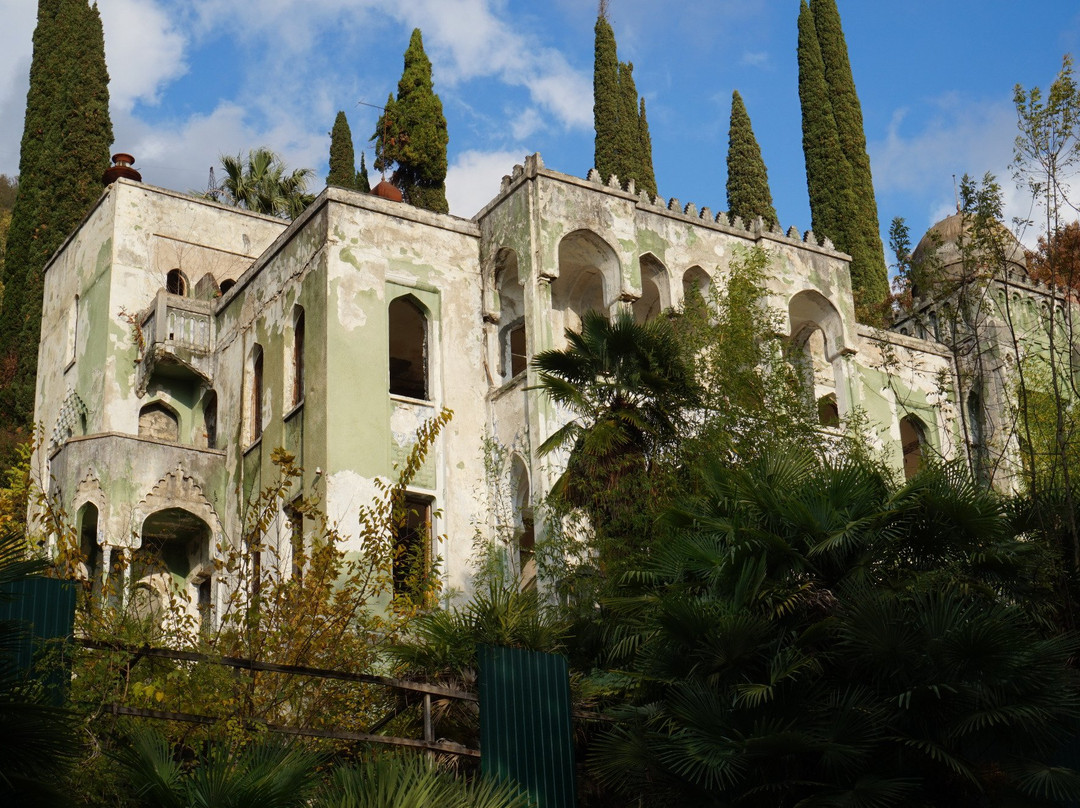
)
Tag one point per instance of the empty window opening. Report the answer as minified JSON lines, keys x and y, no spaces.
{"x":172,"y":565}
{"x":210,"y":419}
{"x":412,"y":555}
{"x":408,"y":349}
{"x":828,"y":412}
{"x":206,"y":605}
{"x":160,"y":422}
{"x":810,"y":359}
{"x":524,"y":526}
{"x":72,"y":330}
{"x":654,"y":290}
{"x":697,"y":280}
{"x":515,"y":351}
{"x":298,"y":358}
{"x":176,"y":283}
{"x":227,"y":285}
{"x":588,"y":279}
{"x":295,"y":516}
{"x":256,"y":395}
{"x":912,"y":442}
{"x":89,"y":549}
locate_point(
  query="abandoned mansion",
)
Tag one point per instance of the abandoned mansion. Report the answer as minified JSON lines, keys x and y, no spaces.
{"x":183,"y":341}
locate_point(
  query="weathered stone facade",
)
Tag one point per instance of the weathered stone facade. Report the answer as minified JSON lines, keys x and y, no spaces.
{"x":183,"y":340}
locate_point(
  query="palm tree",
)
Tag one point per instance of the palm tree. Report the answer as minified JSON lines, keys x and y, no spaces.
{"x":264,"y":184}
{"x":265,"y":774}
{"x":629,"y":387}
{"x":810,"y":635}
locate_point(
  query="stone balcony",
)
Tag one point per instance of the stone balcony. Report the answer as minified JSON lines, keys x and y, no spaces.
{"x":129,"y":476}
{"x":178,"y":338}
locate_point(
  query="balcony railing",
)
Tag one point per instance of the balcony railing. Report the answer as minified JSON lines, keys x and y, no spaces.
{"x":178,"y":331}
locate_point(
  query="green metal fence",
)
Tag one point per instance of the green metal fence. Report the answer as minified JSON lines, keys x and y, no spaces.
{"x":525,"y":732}
{"x":43,"y":609}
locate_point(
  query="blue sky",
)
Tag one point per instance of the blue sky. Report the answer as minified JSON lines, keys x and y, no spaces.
{"x":192,"y":79}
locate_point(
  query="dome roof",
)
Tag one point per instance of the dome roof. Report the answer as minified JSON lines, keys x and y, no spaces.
{"x":945,"y":236}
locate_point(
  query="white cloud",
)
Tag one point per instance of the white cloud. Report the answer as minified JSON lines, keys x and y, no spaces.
{"x":143,"y":48}
{"x":755,"y":58}
{"x":466,"y":40}
{"x":958,"y":137}
{"x":473,"y":180}
{"x":525,"y":124}
{"x":18,"y":18}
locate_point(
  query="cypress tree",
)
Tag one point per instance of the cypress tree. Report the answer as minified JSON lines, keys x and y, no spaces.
{"x":363,"y":184}
{"x":828,"y":175}
{"x":628,"y":134}
{"x":606,"y":99}
{"x":342,"y":158}
{"x":65,"y":150}
{"x":648,"y":176}
{"x":868,"y":256}
{"x":412,"y":133}
{"x":748,"y":192}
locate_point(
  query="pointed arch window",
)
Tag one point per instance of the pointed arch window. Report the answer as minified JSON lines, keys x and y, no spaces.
{"x":159,"y":421}
{"x":176,"y":283}
{"x":408,"y":327}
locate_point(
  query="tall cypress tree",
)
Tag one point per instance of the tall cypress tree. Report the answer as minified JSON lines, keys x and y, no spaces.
{"x":748,"y":192}
{"x":647,"y":181}
{"x":65,"y":150}
{"x":628,"y":135}
{"x":868,"y":256}
{"x":412,"y":133}
{"x":363,"y":184}
{"x":828,"y":175}
{"x":606,"y":98}
{"x":342,"y":158}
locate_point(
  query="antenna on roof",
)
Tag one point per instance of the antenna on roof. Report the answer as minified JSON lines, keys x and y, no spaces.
{"x":212,"y":190}
{"x":386,"y":124}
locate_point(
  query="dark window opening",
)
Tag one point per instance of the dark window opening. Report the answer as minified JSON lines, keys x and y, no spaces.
{"x":912,"y":440}
{"x":518,"y":350}
{"x":175,"y":282}
{"x":89,"y":548}
{"x":227,"y":285}
{"x":828,"y":412}
{"x":408,"y":349}
{"x":256,"y":393}
{"x":295,"y":516}
{"x":298,"y":358}
{"x":206,"y":605}
{"x":411,"y":554}
{"x":210,"y":419}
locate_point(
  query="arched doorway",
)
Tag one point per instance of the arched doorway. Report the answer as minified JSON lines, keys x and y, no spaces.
{"x":171,"y":571}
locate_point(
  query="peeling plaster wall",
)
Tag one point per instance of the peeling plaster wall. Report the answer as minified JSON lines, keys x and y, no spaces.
{"x":115,"y":264}
{"x":342,"y":262}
